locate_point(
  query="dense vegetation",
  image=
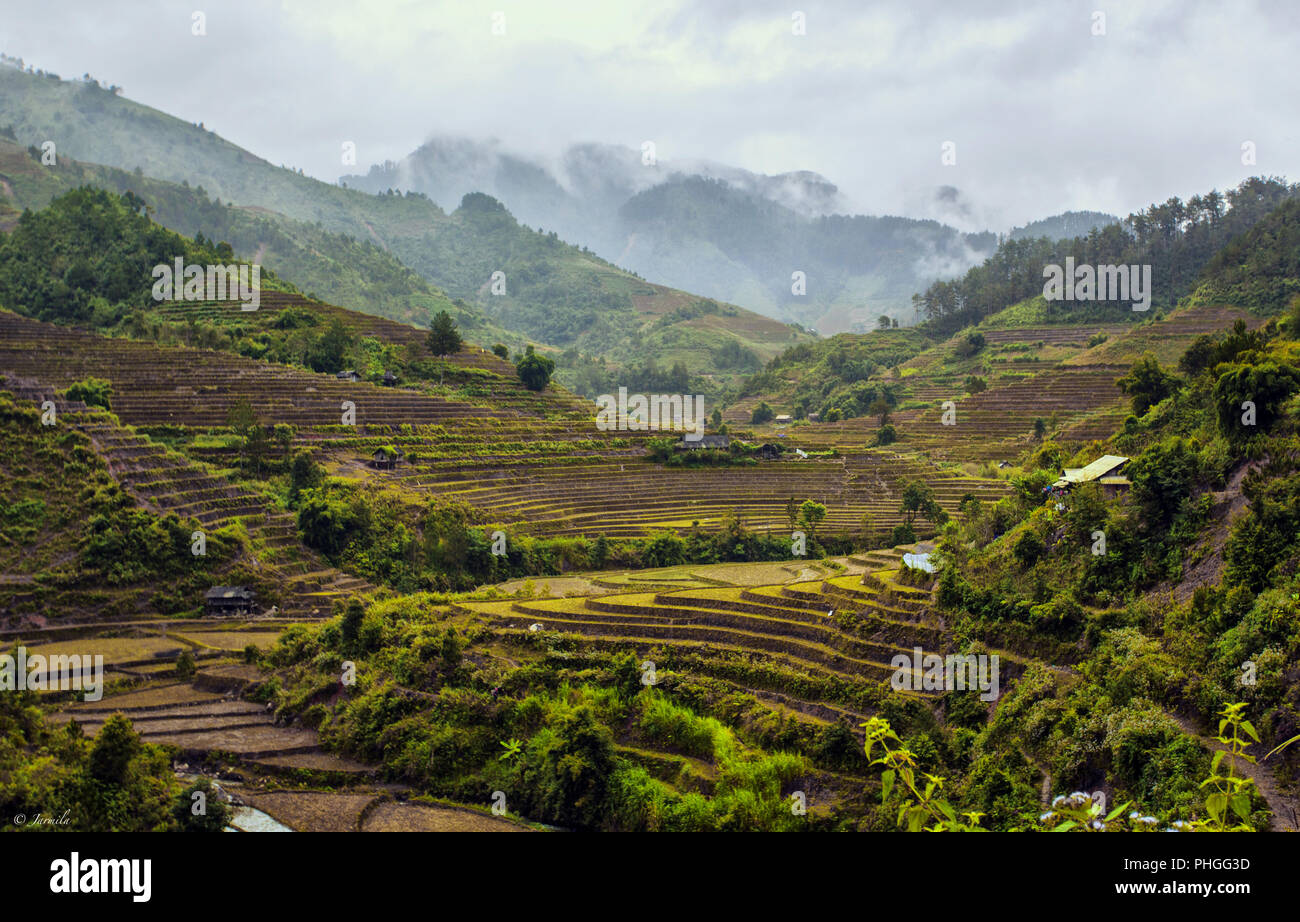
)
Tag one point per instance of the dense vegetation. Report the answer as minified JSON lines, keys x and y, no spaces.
{"x":1178,"y":239}
{"x":1074,"y":580}
{"x":497,"y":272}
{"x":580,"y":739}
{"x":59,"y":780}
{"x":87,"y":258}
{"x":832,"y":377}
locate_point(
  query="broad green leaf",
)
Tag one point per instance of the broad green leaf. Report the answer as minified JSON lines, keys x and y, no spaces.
{"x":1240,"y":804}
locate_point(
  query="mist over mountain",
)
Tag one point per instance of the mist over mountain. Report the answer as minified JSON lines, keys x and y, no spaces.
{"x":554,"y":294}
{"x":719,"y":230}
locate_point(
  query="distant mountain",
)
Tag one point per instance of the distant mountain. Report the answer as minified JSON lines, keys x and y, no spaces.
{"x":719,"y":230}
{"x":547,"y":291}
{"x":334,"y":267}
{"x":1064,"y":226}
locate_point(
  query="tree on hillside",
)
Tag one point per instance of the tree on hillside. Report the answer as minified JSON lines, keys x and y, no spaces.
{"x":880,"y":407}
{"x":918,"y":499}
{"x":93,"y":392}
{"x":1147,"y":384}
{"x":970,"y":345}
{"x":1029,"y":548}
{"x":811,"y":513}
{"x":501,"y":351}
{"x":535,"y":370}
{"x":115,"y":746}
{"x":283,"y":435}
{"x":350,"y":629}
{"x":215,"y":814}
{"x":792,"y":511}
{"x":304,"y":474}
{"x":762,"y":413}
{"x":329,"y":352}
{"x":1162,"y":478}
{"x":1249,"y":397}
{"x":444,"y":338}
{"x":243,"y":420}
{"x":570,"y":768}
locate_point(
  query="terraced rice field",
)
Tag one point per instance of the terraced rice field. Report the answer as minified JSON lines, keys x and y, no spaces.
{"x":1040,"y":372}
{"x":837,"y":632}
{"x":198,"y":721}
{"x":631,"y":498}
{"x":841,"y":629}
{"x":555,"y":474}
{"x":501,"y":389}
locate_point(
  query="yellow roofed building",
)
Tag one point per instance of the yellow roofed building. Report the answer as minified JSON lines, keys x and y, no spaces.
{"x":1106,"y":471}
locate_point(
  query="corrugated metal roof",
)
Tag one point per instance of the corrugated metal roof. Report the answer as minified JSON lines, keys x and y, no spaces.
{"x":1099,"y":468}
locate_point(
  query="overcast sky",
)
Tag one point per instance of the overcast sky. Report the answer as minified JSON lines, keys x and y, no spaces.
{"x":1045,"y":116}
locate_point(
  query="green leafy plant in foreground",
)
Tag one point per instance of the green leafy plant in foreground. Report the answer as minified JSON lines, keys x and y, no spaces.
{"x":921,"y":806}
{"x":1229,"y":792}
{"x":1227,"y":804}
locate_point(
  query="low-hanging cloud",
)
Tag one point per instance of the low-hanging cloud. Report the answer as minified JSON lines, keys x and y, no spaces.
{"x":1044,"y":115}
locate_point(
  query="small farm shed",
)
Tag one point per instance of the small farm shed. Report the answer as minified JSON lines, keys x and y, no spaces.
{"x":1106,"y":471}
{"x":230,"y":600}
{"x":385,"y":459}
{"x":719,"y":442}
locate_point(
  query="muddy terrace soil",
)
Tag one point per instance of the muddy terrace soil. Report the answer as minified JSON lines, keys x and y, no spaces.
{"x":369,"y":811}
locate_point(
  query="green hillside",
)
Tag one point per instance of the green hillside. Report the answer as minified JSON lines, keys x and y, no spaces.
{"x":333,"y":266}
{"x":548,"y":292}
{"x":1176,"y":239}
{"x":523,"y":671}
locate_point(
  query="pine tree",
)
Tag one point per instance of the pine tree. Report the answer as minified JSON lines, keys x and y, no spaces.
{"x":444,"y":338}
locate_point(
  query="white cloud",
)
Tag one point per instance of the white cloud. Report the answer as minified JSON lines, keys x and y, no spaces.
{"x":1046,"y":116}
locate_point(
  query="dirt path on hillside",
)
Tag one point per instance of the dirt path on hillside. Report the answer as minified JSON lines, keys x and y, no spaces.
{"x":1229,"y":505}
{"x":1286,"y":809}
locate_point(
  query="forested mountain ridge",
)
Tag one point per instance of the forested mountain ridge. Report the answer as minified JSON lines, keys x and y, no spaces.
{"x":333,"y":266}
{"x":723,"y":232}
{"x":532,"y":284}
{"x":1177,"y":239}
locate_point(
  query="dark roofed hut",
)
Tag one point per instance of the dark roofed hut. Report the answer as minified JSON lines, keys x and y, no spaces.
{"x":230,"y":600}
{"x":385,"y":459}
{"x":717,"y":442}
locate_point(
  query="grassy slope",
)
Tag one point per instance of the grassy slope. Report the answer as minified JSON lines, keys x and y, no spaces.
{"x":333,"y":266}
{"x":556,"y":293}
